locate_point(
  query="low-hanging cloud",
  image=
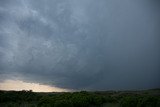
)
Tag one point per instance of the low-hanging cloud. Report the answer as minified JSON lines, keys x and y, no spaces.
{"x":86,"y":44}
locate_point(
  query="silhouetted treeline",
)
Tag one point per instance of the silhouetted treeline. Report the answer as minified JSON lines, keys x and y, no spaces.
{"x":149,"y":98}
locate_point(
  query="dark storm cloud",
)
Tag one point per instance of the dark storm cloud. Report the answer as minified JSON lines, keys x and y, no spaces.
{"x":85,"y":44}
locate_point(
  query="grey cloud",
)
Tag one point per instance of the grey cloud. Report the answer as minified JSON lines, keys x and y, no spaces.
{"x":81,"y":44}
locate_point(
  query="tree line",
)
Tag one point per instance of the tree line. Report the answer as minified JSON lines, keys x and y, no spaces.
{"x":80,"y":99}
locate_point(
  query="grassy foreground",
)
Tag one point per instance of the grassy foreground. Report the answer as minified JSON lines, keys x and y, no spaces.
{"x":145,"y":98}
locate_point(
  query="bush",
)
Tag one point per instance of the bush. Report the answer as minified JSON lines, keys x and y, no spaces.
{"x":129,"y":101}
{"x":148,"y":102}
{"x":80,"y":100}
{"x":46,"y":102}
{"x":63,"y":103}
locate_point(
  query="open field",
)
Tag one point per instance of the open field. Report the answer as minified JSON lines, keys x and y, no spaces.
{"x":145,"y":98}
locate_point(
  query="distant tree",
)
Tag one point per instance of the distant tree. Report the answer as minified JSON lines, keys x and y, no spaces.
{"x":30,"y":91}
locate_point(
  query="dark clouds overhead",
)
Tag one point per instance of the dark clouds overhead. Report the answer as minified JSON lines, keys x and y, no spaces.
{"x":81,"y":44}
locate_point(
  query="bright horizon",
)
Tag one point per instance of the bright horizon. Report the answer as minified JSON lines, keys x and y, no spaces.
{"x":18,"y":85}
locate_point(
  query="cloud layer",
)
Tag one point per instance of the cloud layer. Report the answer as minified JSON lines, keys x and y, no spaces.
{"x":81,"y":44}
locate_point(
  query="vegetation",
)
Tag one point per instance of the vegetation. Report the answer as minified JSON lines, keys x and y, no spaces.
{"x":149,"y":98}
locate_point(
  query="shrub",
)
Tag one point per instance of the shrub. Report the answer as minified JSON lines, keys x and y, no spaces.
{"x":63,"y":103}
{"x":129,"y":101}
{"x":148,"y":102}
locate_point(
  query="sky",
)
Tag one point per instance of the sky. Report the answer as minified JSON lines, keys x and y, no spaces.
{"x":79,"y":44}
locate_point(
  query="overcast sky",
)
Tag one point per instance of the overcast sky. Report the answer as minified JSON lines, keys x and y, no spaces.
{"x":81,"y":44}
